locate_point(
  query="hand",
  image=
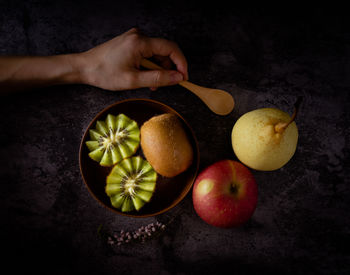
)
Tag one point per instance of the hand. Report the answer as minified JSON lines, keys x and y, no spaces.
{"x":115,"y":64}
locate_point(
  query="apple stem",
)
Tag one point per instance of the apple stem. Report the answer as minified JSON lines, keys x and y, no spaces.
{"x":233,"y":188}
{"x":281,"y":126}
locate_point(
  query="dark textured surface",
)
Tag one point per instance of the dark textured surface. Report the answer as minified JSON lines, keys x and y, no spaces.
{"x":301,"y":225}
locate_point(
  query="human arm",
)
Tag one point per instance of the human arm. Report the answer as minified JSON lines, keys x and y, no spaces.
{"x":26,"y":72}
{"x":113,"y":65}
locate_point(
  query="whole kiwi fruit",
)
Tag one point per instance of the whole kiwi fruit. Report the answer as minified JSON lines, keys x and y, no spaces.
{"x":165,"y":145}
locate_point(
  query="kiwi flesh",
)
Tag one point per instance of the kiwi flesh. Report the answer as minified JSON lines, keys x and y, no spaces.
{"x":131,"y":184}
{"x":112,"y":140}
{"x":166,"y":145}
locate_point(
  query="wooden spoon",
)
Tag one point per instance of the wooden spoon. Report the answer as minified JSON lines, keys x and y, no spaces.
{"x":219,"y":101}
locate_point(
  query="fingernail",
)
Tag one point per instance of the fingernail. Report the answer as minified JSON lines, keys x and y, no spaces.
{"x":176,"y":77}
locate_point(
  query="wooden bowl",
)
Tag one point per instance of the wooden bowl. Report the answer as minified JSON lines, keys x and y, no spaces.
{"x":169,"y":191}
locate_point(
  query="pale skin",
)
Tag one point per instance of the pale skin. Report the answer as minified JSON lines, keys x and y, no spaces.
{"x":113,"y":65}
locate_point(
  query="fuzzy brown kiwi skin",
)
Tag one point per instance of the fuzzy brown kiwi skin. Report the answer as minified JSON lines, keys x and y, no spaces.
{"x":165,"y":145}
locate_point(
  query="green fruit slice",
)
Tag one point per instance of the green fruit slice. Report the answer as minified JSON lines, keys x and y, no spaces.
{"x":131,"y":184}
{"x":113,"y":140}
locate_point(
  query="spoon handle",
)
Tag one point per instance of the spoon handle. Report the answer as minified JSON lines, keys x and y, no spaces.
{"x":186,"y":84}
{"x":150,"y":65}
{"x":219,"y":101}
{"x":199,"y":91}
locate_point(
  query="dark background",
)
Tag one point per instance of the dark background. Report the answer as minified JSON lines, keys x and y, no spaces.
{"x":264,"y":57}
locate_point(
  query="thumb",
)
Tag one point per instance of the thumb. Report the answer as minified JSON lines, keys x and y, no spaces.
{"x":157,"y":78}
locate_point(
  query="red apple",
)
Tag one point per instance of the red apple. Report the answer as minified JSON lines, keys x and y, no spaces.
{"x":225,"y":194}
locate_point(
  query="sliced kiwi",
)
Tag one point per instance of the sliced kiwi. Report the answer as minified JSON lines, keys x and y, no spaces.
{"x":113,"y":140}
{"x":131,"y":184}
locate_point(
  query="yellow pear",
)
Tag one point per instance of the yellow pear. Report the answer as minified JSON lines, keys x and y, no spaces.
{"x":265,"y":139}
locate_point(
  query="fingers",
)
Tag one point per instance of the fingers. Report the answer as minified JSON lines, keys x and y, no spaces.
{"x":133,"y":30}
{"x":165,"y":52}
{"x":164,"y":61}
{"x":166,"y":48}
{"x":157,"y":78}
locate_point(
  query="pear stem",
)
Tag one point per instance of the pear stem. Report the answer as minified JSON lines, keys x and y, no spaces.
{"x":281,"y":126}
